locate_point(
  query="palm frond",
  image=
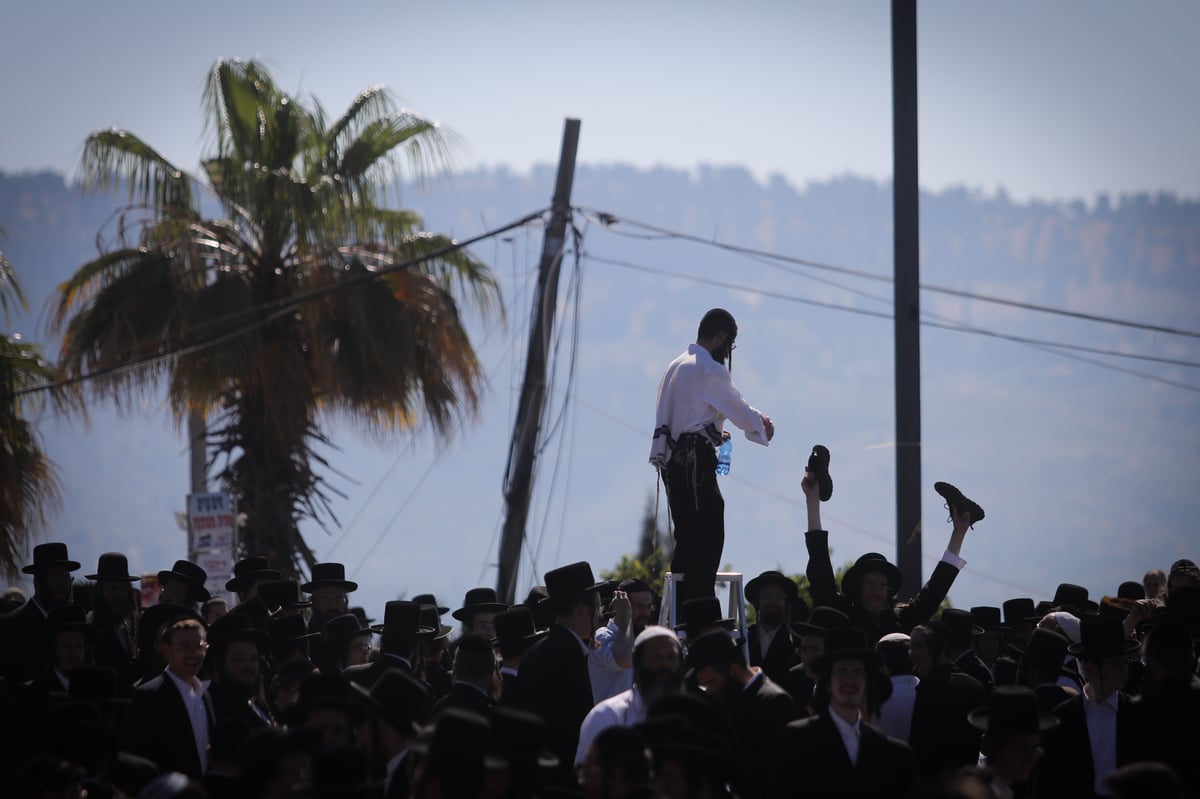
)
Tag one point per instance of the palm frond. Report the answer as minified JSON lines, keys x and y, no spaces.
{"x":11,"y":296}
{"x":112,"y":157}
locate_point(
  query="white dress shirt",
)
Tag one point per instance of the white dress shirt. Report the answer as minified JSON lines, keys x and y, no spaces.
{"x":193,"y":700}
{"x":608,"y":677}
{"x":623,"y":710}
{"x":695,"y":392}
{"x":1101,"y":720}
{"x":895,"y":715}
{"x":849,"y":733}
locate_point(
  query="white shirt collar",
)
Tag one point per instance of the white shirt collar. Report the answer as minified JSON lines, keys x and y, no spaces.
{"x":193,"y":688}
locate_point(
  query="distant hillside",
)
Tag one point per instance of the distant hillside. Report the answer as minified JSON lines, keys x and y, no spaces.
{"x":1155,"y":241}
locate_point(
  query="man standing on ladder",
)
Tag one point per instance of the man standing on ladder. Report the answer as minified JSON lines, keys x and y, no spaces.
{"x":695,"y":398}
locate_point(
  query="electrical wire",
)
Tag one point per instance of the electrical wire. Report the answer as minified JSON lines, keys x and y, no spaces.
{"x":1057,"y":347}
{"x":607,"y":220}
{"x":274,"y":309}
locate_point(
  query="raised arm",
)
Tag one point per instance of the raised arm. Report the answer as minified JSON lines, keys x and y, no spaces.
{"x":820,"y":569}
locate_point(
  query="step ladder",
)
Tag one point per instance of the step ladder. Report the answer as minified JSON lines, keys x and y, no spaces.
{"x":735,"y":606}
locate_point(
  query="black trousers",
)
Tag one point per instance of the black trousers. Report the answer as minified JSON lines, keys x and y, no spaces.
{"x":698,"y":512}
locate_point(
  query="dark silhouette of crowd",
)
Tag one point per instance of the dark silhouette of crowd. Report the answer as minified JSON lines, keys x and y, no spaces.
{"x":289,"y":691}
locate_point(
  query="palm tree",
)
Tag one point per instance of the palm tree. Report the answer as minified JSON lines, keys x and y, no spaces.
{"x":273,"y":313}
{"x":29,"y":486}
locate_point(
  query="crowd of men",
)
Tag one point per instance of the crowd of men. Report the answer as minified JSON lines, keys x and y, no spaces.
{"x":578,"y":690}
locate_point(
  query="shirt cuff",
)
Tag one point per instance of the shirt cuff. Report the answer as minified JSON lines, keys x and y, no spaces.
{"x":954,"y":560}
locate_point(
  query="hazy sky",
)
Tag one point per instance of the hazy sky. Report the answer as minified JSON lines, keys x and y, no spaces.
{"x":1048,"y":100}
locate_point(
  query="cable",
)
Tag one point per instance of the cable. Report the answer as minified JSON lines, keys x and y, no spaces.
{"x":1036,"y":343}
{"x":607,"y":220}
{"x":275,"y":309}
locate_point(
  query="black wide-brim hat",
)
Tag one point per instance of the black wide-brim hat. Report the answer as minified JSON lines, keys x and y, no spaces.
{"x":702,"y":612}
{"x":237,"y":627}
{"x":846,"y":644}
{"x":283,"y":594}
{"x":572,"y":579}
{"x":431,"y":619}
{"x":479,"y":600}
{"x":1018,"y":610}
{"x":325,"y":691}
{"x":155,"y":616}
{"x":1101,"y":637}
{"x":1011,"y":710}
{"x":516,"y":624}
{"x":822,"y":619}
{"x":247,"y":570}
{"x":870,"y":562}
{"x":190,"y":575}
{"x":113,"y":566}
{"x":47,"y":555}
{"x":71,"y":618}
{"x":430,"y":599}
{"x":329,"y":575}
{"x":756,"y":585}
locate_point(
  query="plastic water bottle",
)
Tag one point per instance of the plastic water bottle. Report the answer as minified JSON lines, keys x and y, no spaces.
{"x":724,"y":456}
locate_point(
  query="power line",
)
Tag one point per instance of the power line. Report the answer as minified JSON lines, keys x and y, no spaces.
{"x":607,"y":220}
{"x":275,"y":309}
{"x":1058,"y":347}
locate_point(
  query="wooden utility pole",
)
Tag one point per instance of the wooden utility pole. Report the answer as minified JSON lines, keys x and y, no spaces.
{"x":907,"y":307}
{"x":523,"y":450}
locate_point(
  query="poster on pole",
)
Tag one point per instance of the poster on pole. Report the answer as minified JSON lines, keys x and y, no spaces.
{"x":211,"y":522}
{"x":219,"y":567}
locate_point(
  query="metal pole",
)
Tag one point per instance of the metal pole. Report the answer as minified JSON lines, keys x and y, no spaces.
{"x":907,"y":329}
{"x":533,"y":387}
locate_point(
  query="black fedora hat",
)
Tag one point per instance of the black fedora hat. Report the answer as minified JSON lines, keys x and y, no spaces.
{"x":329,"y":575}
{"x":1042,"y":608}
{"x":1071,"y":597}
{"x":155,"y":617}
{"x":283,"y":595}
{"x":519,"y":737}
{"x":1011,"y":710}
{"x":256,"y":610}
{"x":1046,"y":650}
{"x":1018,"y":611}
{"x":398,"y":697}
{"x":821,"y":621}
{"x":247,"y":570}
{"x":326,"y":691}
{"x":430,"y":599}
{"x":47,"y":555}
{"x":432,"y":619}
{"x":703,"y":612}
{"x":572,"y":579}
{"x":113,"y":566}
{"x":1131,"y":590}
{"x":190,"y":575}
{"x":479,"y":600}
{"x":846,"y":644}
{"x":71,"y":618}
{"x":961,"y":624}
{"x":237,"y":627}
{"x":988,"y":618}
{"x":870,"y":562}
{"x":286,"y":631}
{"x":1101,"y":637}
{"x":516,"y":624}
{"x":341,"y":629}
{"x":714,"y":648}
{"x":543,"y":615}
{"x":402,"y":620}
{"x":770,"y":578}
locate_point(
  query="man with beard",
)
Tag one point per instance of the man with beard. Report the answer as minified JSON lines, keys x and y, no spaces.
{"x":770,"y":638}
{"x":609,"y":664}
{"x":236,"y":649}
{"x":112,"y":615}
{"x":23,"y":650}
{"x":657,"y":671}
{"x":756,"y":708}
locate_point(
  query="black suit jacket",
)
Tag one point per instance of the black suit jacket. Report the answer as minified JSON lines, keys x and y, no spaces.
{"x":158,"y":727}
{"x":463,"y":697}
{"x":1067,"y":768}
{"x":555,"y":685}
{"x":811,"y":760}
{"x":781,"y":653}
{"x":24,"y":650}
{"x":941,"y":737}
{"x":757,"y":720}
{"x":1167,"y":715}
{"x":825,"y":592}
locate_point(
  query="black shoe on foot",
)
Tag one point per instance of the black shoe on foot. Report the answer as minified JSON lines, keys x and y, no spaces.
{"x":818,"y":467}
{"x":958,"y":504}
